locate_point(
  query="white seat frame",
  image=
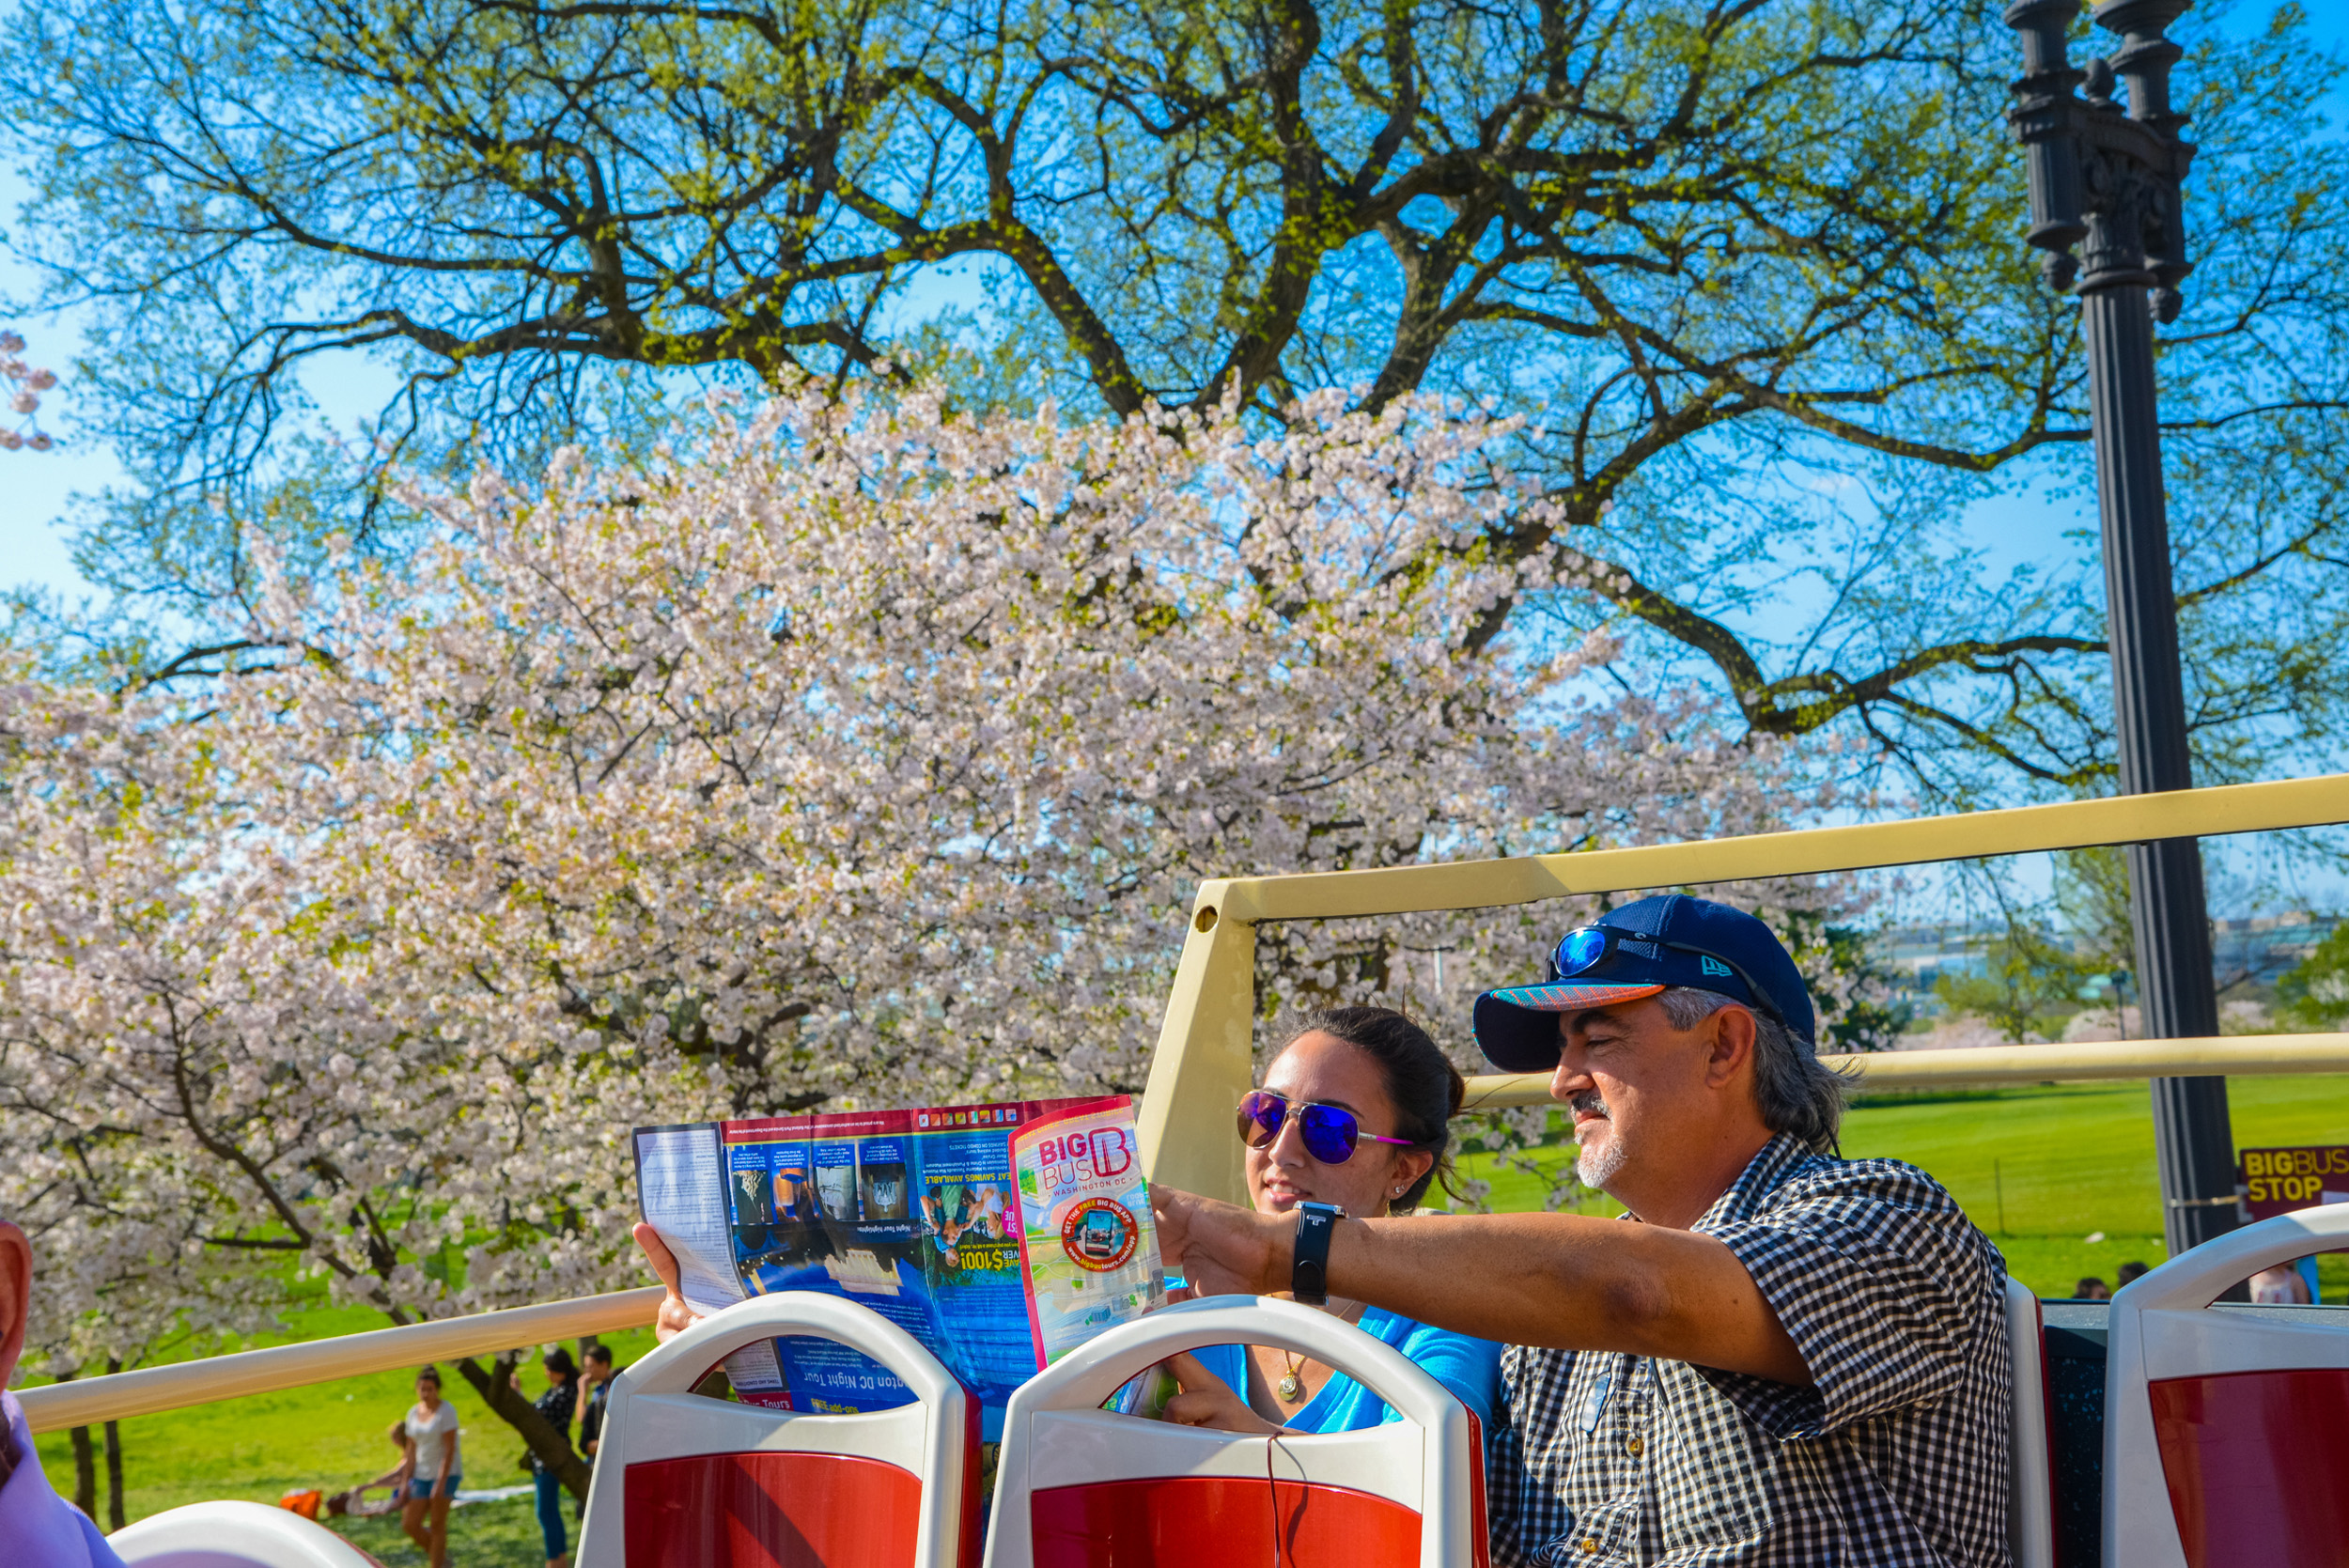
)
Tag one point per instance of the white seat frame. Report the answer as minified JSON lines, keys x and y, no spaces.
{"x":1057,"y":1435}
{"x":2161,"y":1327}
{"x":652,"y":1414}
{"x":231,"y":1535}
{"x":2031,"y":1498}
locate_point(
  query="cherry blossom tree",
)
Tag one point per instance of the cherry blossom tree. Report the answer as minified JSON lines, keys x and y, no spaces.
{"x":26,"y":383}
{"x":861,"y":755}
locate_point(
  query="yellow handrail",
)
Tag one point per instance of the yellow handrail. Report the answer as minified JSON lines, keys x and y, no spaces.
{"x":1914,"y":841}
{"x":86,"y":1402}
{"x":2239,"y":1056}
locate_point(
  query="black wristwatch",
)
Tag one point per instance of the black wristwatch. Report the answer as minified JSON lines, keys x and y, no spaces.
{"x":1309,"y":1270}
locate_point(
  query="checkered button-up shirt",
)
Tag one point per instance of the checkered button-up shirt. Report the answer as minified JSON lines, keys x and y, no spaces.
{"x":1895,"y":1454}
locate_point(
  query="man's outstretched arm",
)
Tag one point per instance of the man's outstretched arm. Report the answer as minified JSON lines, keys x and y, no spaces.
{"x":1557,"y":1280}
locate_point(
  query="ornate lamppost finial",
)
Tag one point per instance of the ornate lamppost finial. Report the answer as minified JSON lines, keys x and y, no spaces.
{"x":2104,"y":178}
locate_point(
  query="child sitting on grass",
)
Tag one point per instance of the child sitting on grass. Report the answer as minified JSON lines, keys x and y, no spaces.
{"x":356,"y":1502}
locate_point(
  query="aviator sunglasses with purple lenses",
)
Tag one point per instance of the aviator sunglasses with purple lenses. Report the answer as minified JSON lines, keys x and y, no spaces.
{"x":1329,"y":1131}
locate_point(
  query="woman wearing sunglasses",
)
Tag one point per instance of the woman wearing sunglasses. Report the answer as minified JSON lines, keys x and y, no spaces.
{"x":1356,"y":1110}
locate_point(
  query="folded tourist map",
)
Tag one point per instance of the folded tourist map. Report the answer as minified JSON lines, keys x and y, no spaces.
{"x":1001,"y":1236}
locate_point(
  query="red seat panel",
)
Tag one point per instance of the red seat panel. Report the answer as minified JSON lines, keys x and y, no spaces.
{"x":1337,"y":1527}
{"x":2255,"y":1463}
{"x":771,"y":1511}
{"x":1171,"y":1522}
{"x":1219,"y":1522}
{"x":1480,"y":1532}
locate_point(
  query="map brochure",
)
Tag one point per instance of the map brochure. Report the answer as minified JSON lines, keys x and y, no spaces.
{"x":1000,"y":1236}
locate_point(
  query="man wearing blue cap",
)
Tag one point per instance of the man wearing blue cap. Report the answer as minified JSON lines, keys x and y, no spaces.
{"x":1792,"y":1359}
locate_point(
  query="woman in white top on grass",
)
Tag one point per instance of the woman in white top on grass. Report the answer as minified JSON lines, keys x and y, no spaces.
{"x":433,"y":1427}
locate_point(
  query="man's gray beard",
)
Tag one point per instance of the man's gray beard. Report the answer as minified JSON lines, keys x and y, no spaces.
{"x":1598,"y":1167}
{"x":1595,"y":1168}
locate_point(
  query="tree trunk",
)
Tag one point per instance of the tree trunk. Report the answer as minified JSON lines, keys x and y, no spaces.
{"x":114,"y":1478}
{"x":85,"y":1473}
{"x":85,"y":1461}
{"x":113,"y":1461}
{"x":85,"y":1467}
{"x":554,"y":1448}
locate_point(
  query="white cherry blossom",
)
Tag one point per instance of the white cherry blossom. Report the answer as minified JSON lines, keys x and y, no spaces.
{"x":865,"y":754}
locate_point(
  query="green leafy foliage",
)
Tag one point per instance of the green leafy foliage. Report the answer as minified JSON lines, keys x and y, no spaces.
{"x":2029,"y":982}
{"x":2091,"y":896}
{"x":2314,"y":993}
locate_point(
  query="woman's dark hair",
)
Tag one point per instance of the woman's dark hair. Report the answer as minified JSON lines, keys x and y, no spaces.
{"x":559,"y":1359}
{"x":429,"y":1375}
{"x":1425,"y":1086}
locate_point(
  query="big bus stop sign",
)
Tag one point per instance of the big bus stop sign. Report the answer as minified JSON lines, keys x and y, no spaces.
{"x":2106,"y":180}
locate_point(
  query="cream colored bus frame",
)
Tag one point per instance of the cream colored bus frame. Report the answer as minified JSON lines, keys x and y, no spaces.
{"x":1204,"y":1058}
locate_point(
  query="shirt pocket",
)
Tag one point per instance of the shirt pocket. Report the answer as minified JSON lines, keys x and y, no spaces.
{"x":1712,"y":1475}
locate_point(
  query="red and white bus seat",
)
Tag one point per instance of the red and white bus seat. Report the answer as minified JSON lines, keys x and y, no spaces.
{"x":231,"y":1535}
{"x":2227,"y":1430}
{"x":1079,"y":1487}
{"x":684,"y":1481}
{"x":2030,"y":1477}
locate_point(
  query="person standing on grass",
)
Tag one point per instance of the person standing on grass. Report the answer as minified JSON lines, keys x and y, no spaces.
{"x":595,"y":1377}
{"x":556,"y":1404}
{"x":433,"y":1427}
{"x":36,"y":1526}
{"x":1782,"y":1357}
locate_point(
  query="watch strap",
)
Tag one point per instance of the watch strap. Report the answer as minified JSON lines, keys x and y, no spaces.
{"x":1309,"y":1266}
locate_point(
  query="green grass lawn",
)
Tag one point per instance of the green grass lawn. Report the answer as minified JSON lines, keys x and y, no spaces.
{"x":329,"y":1436}
{"x":500,"y":1534}
{"x":2040,"y":1169}
{"x":2044,"y":1170}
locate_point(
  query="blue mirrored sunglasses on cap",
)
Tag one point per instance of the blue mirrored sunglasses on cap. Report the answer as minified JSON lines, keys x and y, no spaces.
{"x":1329,"y":1131}
{"x":1586,"y":947}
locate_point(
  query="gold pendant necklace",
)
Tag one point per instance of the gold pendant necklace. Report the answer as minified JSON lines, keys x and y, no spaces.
{"x":1291,"y":1384}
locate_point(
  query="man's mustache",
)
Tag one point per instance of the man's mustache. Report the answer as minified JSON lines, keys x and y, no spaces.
{"x":1590,"y":1102}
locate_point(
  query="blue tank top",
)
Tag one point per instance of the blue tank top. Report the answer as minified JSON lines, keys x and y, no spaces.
{"x":1471,"y":1368}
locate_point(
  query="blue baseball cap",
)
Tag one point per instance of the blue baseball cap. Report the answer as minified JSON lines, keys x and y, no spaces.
{"x":1638,"y":950}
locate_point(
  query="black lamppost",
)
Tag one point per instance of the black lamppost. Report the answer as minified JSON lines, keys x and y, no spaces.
{"x":2108,"y":179}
